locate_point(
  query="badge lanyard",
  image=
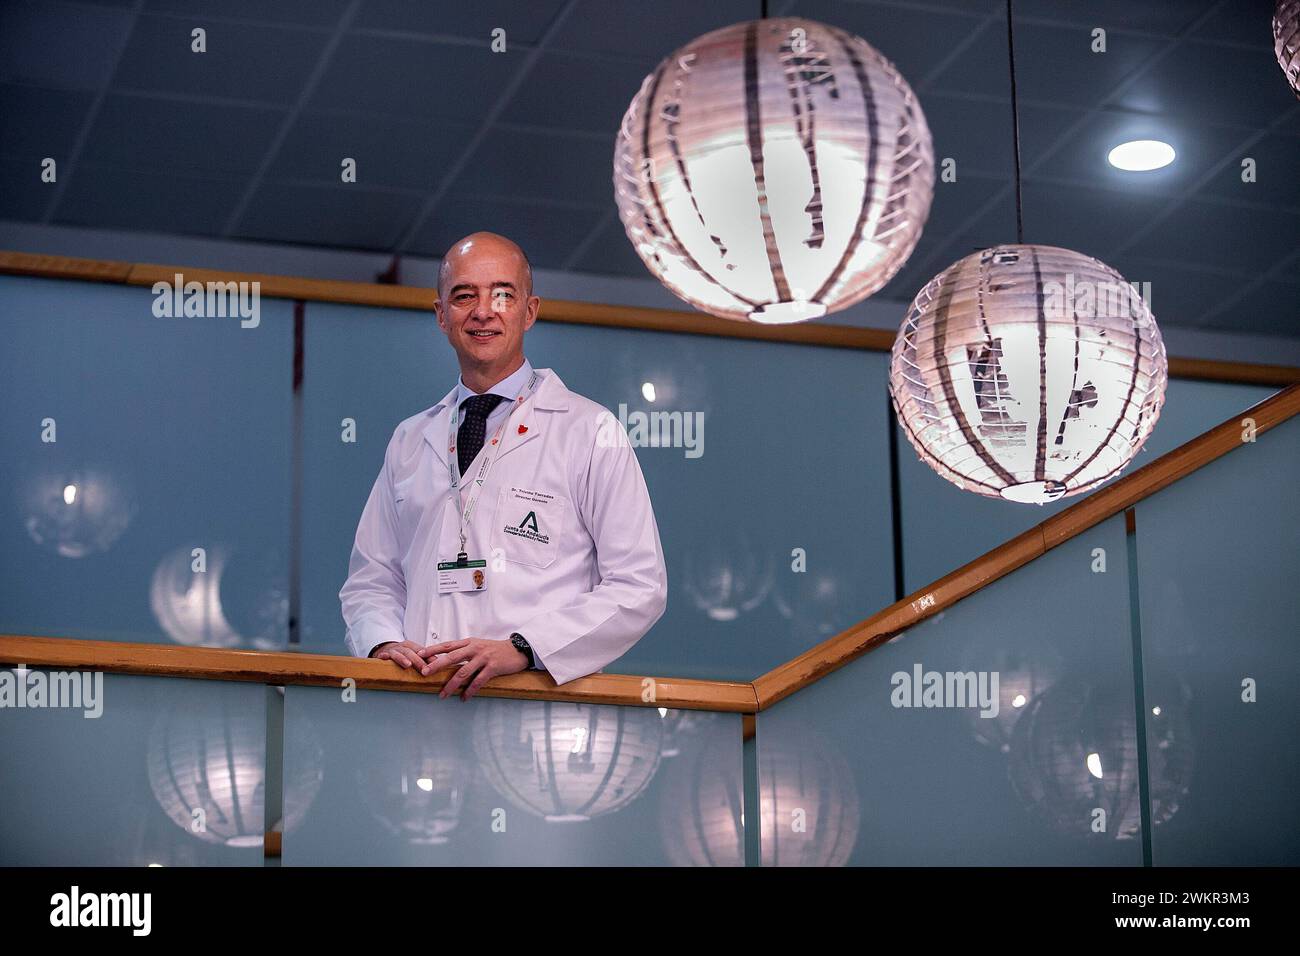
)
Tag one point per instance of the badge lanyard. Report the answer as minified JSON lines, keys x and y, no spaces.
{"x":465,"y":509}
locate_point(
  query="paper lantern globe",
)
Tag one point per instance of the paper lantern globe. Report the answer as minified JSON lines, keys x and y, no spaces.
{"x":567,"y":762}
{"x":1075,"y":751}
{"x":1286,"y":41}
{"x":1027,"y":667}
{"x":701,"y":805}
{"x":75,"y":511}
{"x":808,"y":805}
{"x":808,"y":808}
{"x":774,"y":171}
{"x":416,"y":785}
{"x":210,"y":756}
{"x":1028,"y":373}
{"x":727,"y":573}
{"x":238,"y":600}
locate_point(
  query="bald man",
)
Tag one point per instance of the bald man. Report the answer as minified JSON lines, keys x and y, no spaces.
{"x":510,"y":527}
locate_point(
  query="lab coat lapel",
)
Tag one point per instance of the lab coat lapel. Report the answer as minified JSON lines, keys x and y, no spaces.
{"x":525,"y":424}
{"x":436,"y":430}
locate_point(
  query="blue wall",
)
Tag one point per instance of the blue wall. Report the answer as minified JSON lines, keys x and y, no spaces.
{"x":174,"y":433}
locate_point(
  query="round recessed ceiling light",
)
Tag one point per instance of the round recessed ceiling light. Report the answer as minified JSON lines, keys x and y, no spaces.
{"x":1141,"y":155}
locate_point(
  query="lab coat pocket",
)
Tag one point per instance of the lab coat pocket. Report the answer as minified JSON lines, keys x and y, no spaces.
{"x":529,"y":524}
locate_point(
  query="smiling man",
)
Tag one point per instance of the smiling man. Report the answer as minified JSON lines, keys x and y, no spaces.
{"x":505,"y":530}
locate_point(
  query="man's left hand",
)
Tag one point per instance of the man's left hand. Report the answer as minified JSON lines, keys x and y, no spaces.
{"x":480,"y":660}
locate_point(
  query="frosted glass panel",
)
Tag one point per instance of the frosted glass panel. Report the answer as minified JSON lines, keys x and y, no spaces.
{"x":171,"y":435}
{"x":1219,"y":580}
{"x":172,"y":772}
{"x":865,"y":767}
{"x":408,"y":780}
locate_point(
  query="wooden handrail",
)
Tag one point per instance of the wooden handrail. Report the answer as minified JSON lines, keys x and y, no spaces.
{"x":322,"y":670}
{"x":560,"y":310}
{"x":835,"y":652}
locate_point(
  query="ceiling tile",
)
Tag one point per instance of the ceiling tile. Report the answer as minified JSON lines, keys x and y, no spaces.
{"x":600,"y":90}
{"x":547,"y":233}
{"x":1271,"y":309}
{"x":954,"y":203}
{"x":60,"y":45}
{"x":269,"y":64}
{"x":1240,"y":21}
{"x":389,"y":151}
{"x":568,"y":168}
{"x":35,"y":122}
{"x":1178,"y":296}
{"x":978,"y":133}
{"x":107,"y":197}
{"x":1095,"y":222}
{"x":1291,"y":123}
{"x":523,"y":22}
{"x":612,"y":254}
{"x":1220,"y":235}
{"x":24,"y":197}
{"x":342,"y":215}
{"x":1166,"y":17}
{"x":1277,"y":162}
{"x":637,"y":28}
{"x":973,"y":7}
{"x":1054,"y":64}
{"x":308,"y":13}
{"x":164,"y":135}
{"x":1206,"y":83}
{"x":414,"y":78}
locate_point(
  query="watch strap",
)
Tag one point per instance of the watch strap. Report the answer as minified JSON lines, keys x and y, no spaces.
{"x":521,"y":644}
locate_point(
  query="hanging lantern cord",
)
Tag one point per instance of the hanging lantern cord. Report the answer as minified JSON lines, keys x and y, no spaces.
{"x":1015,"y":122}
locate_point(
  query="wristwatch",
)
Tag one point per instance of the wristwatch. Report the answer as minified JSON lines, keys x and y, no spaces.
{"x":523,"y":647}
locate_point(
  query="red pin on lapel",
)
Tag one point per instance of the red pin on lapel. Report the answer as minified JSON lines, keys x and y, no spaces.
{"x":522,"y":429}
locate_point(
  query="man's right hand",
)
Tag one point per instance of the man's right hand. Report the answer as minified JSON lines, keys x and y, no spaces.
{"x":405,"y":653}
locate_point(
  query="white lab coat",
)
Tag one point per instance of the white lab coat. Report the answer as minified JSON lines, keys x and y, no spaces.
{"x":581,"y":597}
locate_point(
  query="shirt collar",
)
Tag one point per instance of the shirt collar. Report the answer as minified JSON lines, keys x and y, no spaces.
{"x":509,"y":387}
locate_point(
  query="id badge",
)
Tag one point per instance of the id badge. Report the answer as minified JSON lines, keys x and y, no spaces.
{"x":456,"y":576}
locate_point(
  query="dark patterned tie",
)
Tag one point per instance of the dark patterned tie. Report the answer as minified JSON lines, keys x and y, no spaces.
{"x":473,"y":430}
